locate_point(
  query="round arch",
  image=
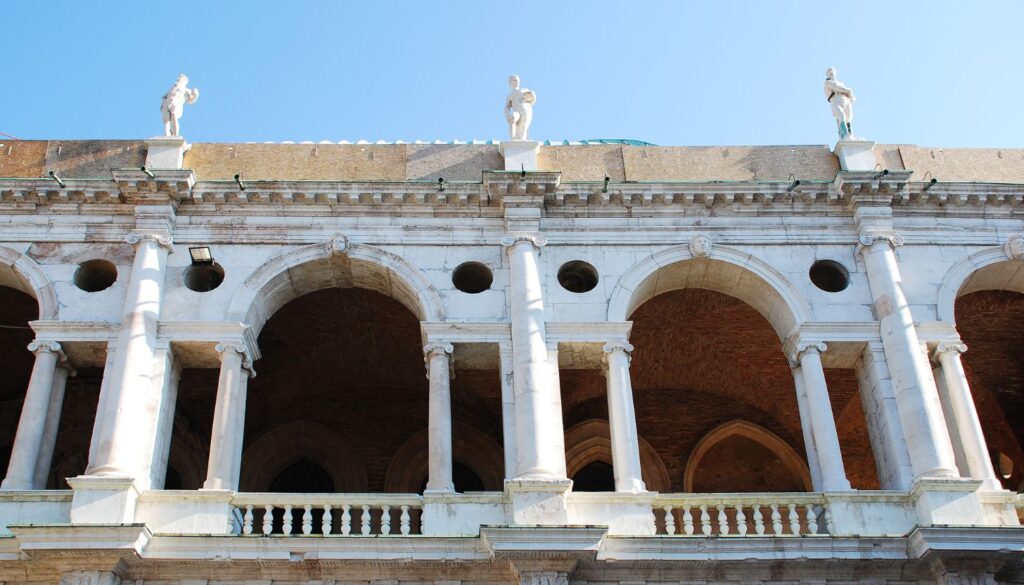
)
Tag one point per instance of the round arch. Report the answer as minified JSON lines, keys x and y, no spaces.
{"x":332,"y":264}
{"x":987,"y":269}
{"x":589,"y":441}
{"x":273,"y":452}
{"x":470,"y":447}
{"x":720,"y":268}
{"x":24,"y":274}
{"x":789,"y":457}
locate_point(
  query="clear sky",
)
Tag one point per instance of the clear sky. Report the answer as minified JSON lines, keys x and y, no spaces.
{"x":933,"y":73}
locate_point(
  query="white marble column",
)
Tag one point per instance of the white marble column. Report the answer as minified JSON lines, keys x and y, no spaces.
{"x":439,"y":413}
{"x":805,"y":425}
{"x":883,"y":420}
{"x":28,"y":442}
{"x":125,"y":418}
{"x":45,"y":459}
{"x":823,"y":423}
{"x":226,"y":436}
{"x":508,"y":408}
{"x":540,"y":439}
{"x":927,"y":439}
{"x":966,"y":428}
{"x":622,"y":419}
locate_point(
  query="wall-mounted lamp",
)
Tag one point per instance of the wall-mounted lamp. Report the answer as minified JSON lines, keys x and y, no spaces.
{"x":930,"y":184}
{"x":793,"y":185}
{"x":440,"y":184}
{"x":56,"y":178}
{"x":148,"y":172}
{"x":200,"y":255}
{"x":522,"y":172}
{"x":606,"y":181}
{"x":882,"y":174}
{"x":238,"y":179}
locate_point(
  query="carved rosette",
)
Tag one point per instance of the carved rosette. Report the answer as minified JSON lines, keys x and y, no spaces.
{"x":241,"y":350}
{"x":537,"y":241}
{"x":163,"y":239}
{"x":700,"y":246}
{"x":1014,"y":248}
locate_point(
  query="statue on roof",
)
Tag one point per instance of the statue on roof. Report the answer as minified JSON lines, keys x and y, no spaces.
{"x":174,"y":102}
{"x":841,"y":99}
{"x":519,"y":109}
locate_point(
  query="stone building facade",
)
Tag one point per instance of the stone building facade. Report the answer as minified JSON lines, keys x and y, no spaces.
{"x":596,"y":363}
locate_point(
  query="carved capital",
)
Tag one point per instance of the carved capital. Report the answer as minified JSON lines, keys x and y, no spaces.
{"x":700,"y":246}
{"x":950,"y":347}
{"x":437,"y":348}
{"x":37,"y":347}
{"x":867,"y":240}
{"x":537,"y":241}
{"x":817,"y":348}
{"x":1014,"y":248}
{"x":241,"y":350}
{"x":164,"y":239}
{"x":618,"y":346}
{"x":337,"y":245}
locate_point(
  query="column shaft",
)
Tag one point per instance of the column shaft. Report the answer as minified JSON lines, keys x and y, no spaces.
{"x":965,"y":416}
{"x":927,"y":439}
{"x":228,"y":420}
{"x":439,"y":413}
{"x":21,"y":470}
{"x":823,"y":424}
{"x":540,"y":440}
{"x":508,"y":408}
{"x":49,"y":442}
{"x":813,"y":463}
{"x":622,"y":420}
{"x":883,"y":419}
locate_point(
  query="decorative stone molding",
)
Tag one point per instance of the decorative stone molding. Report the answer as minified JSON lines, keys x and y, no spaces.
{"x":1014,"y":248}
{"x":30,"y":279}
{"x":545,"y":578}
{"x":53,"y":347}
{"x":700,"y":246}
{"x":164,"y":239}
{"x":240,"y":350}
{"x":337,"y":245}
{"x":967,"y":578}
{"x":537,"y":241}
{"x":90,"y":578}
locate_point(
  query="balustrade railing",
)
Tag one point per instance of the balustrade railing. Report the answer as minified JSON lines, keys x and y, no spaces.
{"x":329,"y":514}
{"x":767,"y":514}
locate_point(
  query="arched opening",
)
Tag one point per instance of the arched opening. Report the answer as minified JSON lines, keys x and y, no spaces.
{"x":16,"y":310}
{"x":989,"y":323}
{"x":596,"y":476}
{"x":303,"y":476}
{"x":769,"y":464}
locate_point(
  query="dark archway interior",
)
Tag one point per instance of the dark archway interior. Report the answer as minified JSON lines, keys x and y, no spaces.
{"x":303,"y":476}
{"x":597,"y":476}
{"x":990,"y":323}
{"x":702,"y":359}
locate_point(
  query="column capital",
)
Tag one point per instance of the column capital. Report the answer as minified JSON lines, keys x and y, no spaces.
{"x":945,"y":347}
{"x":160,"y":237}
{"x":511,"y":240}
{"x":816,"y":348}
{"x":618,"y":346}
{"x":241,"y":350}
{"x":437,"y":347}
{"x":868,"y":240}
{"x":53,"y":347}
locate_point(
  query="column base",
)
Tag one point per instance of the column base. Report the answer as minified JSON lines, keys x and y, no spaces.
{"x":856,"y":155}
{"x":520,"y":155}
{"x":956,"y":502}
{"x":538,"y":502}
{"x":103,"y":499}
{"x":165,"y":152}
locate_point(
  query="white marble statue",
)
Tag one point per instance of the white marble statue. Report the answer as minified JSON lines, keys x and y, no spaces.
{"x":173,"y":104}
{"x":841,"y":99}
{"x":519,"y":109}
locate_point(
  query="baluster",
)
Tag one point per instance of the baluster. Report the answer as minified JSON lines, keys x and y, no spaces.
{"x":286,"y":520}
{"x":364,"y":521}
{"x":794,"y":520}
{"x":670,"y":521}
{"x":346,"y":519}
{"x":385,"y":520}
{"x":741,"y":520}
{"x":828,"y":520}
{"x":758,"y":520}
{"x":812,"y":519}
{"x":307,"y":520}
{"x":687,"y":521}
{"x":705,"y":520}
{"x":405,"y":528}
{"x":268,"y":518}
{"x":325,"y":526}
{"x":776,"y":520}
{"x":247,"y":520}
{"x":723,"y":520}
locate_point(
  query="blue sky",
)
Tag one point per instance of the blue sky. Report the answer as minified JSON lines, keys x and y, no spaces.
{"x":674,"y":73}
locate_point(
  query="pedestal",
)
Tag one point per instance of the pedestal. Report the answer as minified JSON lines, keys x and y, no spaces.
{"x":520,"y":155}
{"x":856,"y":155}
{"x":165,"y":152}
{"x":103,"y":500}
{"x":538,"y":502}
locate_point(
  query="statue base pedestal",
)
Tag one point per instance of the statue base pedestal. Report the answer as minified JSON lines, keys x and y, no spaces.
{"x":856,"y":155}
{"x":165,"y":152}
{"x":520,"y":155}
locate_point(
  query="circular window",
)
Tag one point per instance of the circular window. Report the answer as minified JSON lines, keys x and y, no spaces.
{"x":472,"y":277}
{"x":204,"y":277}
{"x":577,"y":276}
{"x":95,"y":275}
{"x":829,"y":275}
